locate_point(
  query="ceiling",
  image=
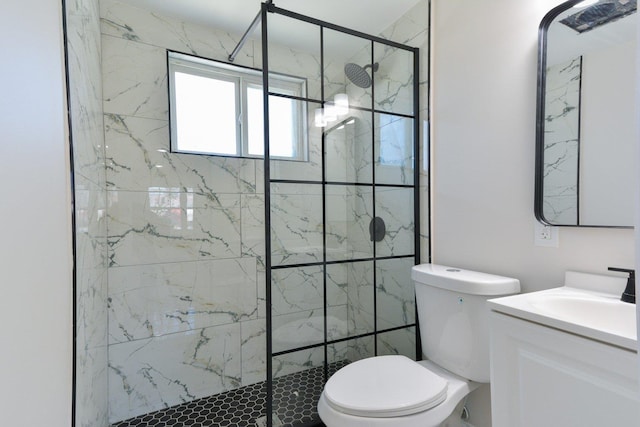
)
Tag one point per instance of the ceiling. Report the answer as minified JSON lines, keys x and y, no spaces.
{"x":367,"y":16}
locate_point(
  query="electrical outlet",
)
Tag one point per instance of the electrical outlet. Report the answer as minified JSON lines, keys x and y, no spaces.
{"x":545,"y":235}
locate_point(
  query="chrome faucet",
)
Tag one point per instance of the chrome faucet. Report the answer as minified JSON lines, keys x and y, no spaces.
{"x":629,"y":294}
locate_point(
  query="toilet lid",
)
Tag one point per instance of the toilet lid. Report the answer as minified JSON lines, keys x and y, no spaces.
{"x":384,"y":386}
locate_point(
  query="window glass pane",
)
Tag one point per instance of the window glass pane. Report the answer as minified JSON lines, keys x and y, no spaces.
{"x":217,"y":108}
{"x":205,"y":121}
{"x":282,"y":126}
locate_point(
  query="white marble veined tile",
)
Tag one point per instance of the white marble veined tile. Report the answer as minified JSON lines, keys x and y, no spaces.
{"x":91,"y":387}
{"x":297,"y":289}
{"x":561,"y":158}
{"x":340,"y":49}
{"x":412,"y":28}
{"x":85,"y":92}
{"x":394,"y":150}
{"x":89,"y":8}
{"x":307,"y":327}
{"x":561,"y":167}
{"x":254,"y":351}
{"x":360,"y":298}
{"x":360,"y":97}
{"x":301,"y":288}
{"x":259,"y":188}
{"x":339,"y":141}
{"x":395,"y":207}
{"x":561,"y":209}
{"x":424,"y":223}
{"x":423,"y":147}
{"x":338,"y":214}
{"x":294,"y":61}
{"x":337,"y":352}
{"x":164,"y":225}
{"x":155,"y":373}
{"x":362,"y":147}
{"x":337,"y":284}
{"x":395,"y":299}
{"x":334,"y":79}
{"x":360,"y":348}
{"x":394,"y":79}
{"x":137,"y":154}
{"x":360,"y":215}
{"x":402,"y":341}
{"x":348,"y":149}
{"x":140,"y":25}
{"x":159,"y":299}
{"x":85,"y":96}
{"x":89,"y":156}
{"x":91,"y":225}
{"x":138,"y":157}
{"x":134,"y":79}
{"x":262,"y":293}
{"x":349,"y":210}
{"x":91,"y":309}
{"x":253,"y":233}
{"x":296,"y":222}
{"x":297,"y":330}
{"x":298,"y":361}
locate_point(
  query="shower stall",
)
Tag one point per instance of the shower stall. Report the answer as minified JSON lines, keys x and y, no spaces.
{"x":222,"y":290}
{"x":340,"y":234}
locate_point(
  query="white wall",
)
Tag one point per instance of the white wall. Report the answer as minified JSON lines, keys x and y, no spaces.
{"x":484,"y":88}
{"x":35,"y":254}
{"x":483,"y":142}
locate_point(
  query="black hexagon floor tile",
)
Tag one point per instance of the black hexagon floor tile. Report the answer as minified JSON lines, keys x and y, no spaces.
{"x":294,"y":405}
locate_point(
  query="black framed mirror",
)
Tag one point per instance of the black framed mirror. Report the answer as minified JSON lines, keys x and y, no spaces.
{"x":586,"y":127}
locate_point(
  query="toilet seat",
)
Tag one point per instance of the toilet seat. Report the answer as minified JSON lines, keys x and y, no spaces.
{"x":383,"y":387}
{"x":457,"y":389}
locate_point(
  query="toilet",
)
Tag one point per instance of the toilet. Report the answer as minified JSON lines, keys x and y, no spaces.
{"x":395,"y":391}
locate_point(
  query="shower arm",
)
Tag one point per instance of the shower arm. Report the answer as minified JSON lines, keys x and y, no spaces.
{"x":246,"y":34}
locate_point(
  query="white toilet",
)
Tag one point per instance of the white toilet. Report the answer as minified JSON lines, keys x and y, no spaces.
{"x":394,"y":391}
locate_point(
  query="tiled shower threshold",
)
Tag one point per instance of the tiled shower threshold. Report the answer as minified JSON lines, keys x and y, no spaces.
{"x":295,"y":397}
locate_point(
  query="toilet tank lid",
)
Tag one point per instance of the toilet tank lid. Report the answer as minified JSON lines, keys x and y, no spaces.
{"x":464,"y":281}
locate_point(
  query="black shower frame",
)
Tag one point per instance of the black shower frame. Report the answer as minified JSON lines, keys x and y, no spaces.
{"x":269,"y":7}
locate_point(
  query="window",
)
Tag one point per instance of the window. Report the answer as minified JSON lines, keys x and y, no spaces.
{"x":216,"y":108}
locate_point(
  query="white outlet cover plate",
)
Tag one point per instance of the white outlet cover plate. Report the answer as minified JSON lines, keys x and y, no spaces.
{"x":545,"y":235}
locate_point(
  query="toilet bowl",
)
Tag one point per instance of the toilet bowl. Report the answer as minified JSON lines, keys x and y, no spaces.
{"x":395,"y":391}
{"x":414,"y":394}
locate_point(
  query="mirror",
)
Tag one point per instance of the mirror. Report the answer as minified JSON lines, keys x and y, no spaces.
{"x":586,"y":122}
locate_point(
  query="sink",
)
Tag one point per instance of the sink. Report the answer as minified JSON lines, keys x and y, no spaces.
{"x":598,"y":311}
{"x":588,"y":305}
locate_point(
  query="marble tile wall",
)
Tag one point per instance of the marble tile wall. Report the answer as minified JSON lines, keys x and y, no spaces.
{"x":561,"y":142}
{"x":85,"y":89}
{"x":185,"y":234}
{"x":413,"y":30}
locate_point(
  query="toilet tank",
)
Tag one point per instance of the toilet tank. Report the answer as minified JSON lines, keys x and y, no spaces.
{"x":454,"y":317}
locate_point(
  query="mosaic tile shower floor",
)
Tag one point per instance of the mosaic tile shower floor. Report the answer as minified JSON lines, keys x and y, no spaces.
{"x":294,"y":401}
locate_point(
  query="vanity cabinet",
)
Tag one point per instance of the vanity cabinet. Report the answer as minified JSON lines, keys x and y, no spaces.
{"x":545,"y":377}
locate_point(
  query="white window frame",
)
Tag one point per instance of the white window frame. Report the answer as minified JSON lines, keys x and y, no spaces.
{"x":244,"y":78}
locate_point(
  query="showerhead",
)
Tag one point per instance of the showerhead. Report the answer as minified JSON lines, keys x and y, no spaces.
{"x":358,"y":75}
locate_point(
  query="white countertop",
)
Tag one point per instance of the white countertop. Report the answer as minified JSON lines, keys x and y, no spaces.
{"x":581,"y":308}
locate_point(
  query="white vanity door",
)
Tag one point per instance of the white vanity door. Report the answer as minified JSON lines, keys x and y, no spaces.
{"x":543,"y":377}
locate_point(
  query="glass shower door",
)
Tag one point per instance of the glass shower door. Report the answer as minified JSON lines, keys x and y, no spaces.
{"x":341,"y":224}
